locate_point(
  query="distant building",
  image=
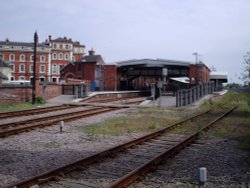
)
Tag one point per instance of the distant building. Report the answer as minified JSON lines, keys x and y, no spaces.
{"x":52,"y":55}
{"x":93,"y":69}
{"x":140,"y":73}
{"x":218,"y":78}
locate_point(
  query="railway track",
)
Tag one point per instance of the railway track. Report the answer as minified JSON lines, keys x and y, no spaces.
{"x":8,"y":129}
{"x":122,"y":165}
{"x":34,"y":111}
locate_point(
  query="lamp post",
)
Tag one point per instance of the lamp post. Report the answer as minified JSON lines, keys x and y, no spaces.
{"x":34,"y":69}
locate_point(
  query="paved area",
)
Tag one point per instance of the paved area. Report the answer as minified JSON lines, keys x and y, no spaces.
{"x":62,"y":99}
{"x":163,"y":101}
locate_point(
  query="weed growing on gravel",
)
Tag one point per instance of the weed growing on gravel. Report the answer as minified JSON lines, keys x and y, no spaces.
{"x":237,"y":124}
{"x":146,"y":120}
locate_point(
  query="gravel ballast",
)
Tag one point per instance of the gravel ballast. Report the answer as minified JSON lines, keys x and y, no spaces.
{"x":31,"y":153}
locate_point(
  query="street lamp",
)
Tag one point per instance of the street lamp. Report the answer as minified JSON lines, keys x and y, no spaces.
{"x":34,"y":69}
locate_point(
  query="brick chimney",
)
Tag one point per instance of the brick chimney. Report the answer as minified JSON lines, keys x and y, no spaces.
{"x":91,"y":52}
{"x":49,"y":38}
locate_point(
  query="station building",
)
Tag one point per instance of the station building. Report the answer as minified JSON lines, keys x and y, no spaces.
{"x":92,"y":71}
{"x":140,"y":74}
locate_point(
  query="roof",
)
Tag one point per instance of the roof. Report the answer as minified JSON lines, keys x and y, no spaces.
{"x":218,"y":75}
{"x":92,"y":58}
{"x":3,"y":77}
{"x":65,"y":39}
{"x":152,"y":62}
{"x":183,"y":79}
{"x":27,"y":44}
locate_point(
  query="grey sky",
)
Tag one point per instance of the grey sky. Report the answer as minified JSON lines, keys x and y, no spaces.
{"x":131,"y":29}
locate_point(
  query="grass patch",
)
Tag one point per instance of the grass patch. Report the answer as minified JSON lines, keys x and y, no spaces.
{"x":237,"y":124}
{"x":4,"y":107}
{"x":146,"y":120}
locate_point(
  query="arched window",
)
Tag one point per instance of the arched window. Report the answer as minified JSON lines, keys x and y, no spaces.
{"x":21,"y":68}
{"x":22,"y":58}
{"x":11,"y":57}
{"x":54,"y":68}
{"x":31,"y":58}
{"x":66,"y":56}
{"x":54,"y":56}
{"x":60,"y":56}
{"x":42,"y":58}
{"x":42,"y":69}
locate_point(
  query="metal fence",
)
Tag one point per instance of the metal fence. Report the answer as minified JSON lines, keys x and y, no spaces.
{"x":78,"y":90}
{"x":185,"y":97}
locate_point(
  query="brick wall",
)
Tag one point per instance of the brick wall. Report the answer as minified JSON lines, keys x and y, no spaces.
{"x":49,"y":90}
{"x":15,"y":93}
{"x":22,"y":93}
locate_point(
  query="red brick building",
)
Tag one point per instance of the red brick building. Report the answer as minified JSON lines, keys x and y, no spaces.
{"x":52,"y":55}
{"x":93,"y":69}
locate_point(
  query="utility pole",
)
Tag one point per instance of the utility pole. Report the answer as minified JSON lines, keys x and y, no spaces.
{"x":196,"y":57}
{"x":34,"y":69}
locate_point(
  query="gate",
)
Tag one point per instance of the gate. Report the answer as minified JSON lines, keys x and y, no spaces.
{"x":68,"y":89}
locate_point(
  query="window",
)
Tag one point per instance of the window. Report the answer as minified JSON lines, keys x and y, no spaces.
{"x":54,"y":56}
{"x":22,"y":58}
{"x":31,"y":58}
{"x":21,"y":77}
{"x":54,"y":46}
{"x":31,"y":68}
{"x":42,"y":79}
{"x":31,"y":79}
{"x":42,"y":69}
{"x":12,"y":67}
{"x":12,"y":57}
{"x":60,"y":56}
{"x":42,"y":58}
{"x":21,"y":68}
{"x":66,"y":56}
{"x":67,"y":46}
{"x":54,"y":68}
{"x":54,"y":80}
{"x":12,"y":78}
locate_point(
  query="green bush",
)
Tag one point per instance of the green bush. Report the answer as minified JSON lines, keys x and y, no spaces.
{"x":40,"y":100}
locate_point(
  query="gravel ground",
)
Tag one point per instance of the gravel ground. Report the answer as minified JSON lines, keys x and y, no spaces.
{"x":226,"y":166}
{"x":40,"y":150}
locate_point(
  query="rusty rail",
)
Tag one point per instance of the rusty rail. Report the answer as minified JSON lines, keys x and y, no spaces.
{"x":137,"y":173}
{"x":70,"y":167}
{"x":46,"y":121}
{"x":35,"y":111}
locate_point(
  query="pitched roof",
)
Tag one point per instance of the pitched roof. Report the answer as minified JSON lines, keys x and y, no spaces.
{"x":92,"y":58}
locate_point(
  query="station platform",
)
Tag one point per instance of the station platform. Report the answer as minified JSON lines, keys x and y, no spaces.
{"x":163,"y":101}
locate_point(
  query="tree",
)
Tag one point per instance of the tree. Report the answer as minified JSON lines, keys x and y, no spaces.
{"x":245,"y":76}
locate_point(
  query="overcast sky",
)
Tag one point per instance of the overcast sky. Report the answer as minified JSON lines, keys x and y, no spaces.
{"x":218,"y":30}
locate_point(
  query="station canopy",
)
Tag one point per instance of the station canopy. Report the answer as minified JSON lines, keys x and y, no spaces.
{"x":183,"y":79}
